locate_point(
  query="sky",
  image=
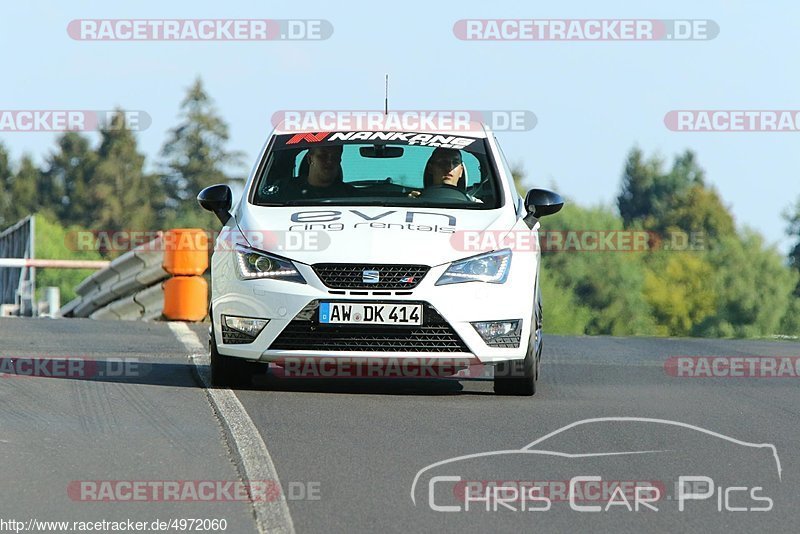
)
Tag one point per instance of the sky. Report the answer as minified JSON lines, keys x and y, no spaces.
{"x":593,"y":100}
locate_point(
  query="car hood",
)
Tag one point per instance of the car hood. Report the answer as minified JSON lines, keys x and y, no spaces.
{"x":371,"y":234}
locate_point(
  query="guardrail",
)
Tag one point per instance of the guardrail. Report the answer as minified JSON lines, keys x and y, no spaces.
{"x":18,"y":281}
{"x":158,"y":279}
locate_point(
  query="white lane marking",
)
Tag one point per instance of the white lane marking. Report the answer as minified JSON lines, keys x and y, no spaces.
{"x":271,"y":516}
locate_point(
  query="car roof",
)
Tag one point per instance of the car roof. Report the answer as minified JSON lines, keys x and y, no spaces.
{"x":475,"y":129}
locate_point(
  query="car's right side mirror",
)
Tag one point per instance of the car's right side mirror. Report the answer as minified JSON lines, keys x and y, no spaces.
{"x":218,"y":200}
{"x":541,"y":202}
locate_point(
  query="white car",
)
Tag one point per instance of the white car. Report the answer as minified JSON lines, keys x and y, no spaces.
{"x":378,"y":245}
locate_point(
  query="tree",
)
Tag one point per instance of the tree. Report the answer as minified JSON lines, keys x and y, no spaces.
{"x":679,"y":293}
{"x":122,"y":194}
{"x":22,"y":190}
{"x":591,"y":292}
{"x":51,"y":240}
{"x":638,"y":199}
{"x":790,"y":324}
{"x":195,"y":155}
{"x":752,"y":285}
{"x":64,"y":188}
{"x":791,"y":321}
{"x":793,"y":230}
{"x":700,"y":210}
{"x":686,"y":170}
{"x":18,"y":189}
{"x":6,"y":218}
{"x":674,"y":201}
{"x":608,"y":284}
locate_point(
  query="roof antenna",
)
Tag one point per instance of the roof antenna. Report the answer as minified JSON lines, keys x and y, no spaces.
{"x":386,"y":98}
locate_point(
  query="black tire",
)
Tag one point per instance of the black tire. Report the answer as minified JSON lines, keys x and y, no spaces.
{"x":541,"y":342}
{"x":517,"y":377}
{"x":227,"y":371}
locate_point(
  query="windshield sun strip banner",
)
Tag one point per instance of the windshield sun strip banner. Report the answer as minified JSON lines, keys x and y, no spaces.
{"x":399,"y":138}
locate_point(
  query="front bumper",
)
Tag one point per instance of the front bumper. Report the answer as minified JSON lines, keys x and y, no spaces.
{"x":447,"y":308}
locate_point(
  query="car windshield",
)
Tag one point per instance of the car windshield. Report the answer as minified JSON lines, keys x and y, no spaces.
{"x":378,"y":168}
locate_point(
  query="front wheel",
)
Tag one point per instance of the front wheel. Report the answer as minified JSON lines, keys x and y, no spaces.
{"x":227,"y":371}
{"x":519,"y":377}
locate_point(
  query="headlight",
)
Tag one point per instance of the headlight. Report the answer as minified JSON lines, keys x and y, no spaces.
{"x":255,"y":265}
{"x":492,"y":268}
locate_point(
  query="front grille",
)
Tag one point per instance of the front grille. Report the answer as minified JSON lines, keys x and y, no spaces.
{"x":234,"y":337}
{"x":510,"y":341}
{"x":304,"y":333}
{"x":351,"y":275}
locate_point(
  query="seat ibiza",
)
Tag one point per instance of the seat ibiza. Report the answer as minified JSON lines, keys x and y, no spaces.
{"x":379,"y":246}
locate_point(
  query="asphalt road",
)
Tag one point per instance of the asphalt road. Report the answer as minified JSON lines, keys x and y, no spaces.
{"x":356,"y":455}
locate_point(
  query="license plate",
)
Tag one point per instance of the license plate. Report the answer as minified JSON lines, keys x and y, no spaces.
{"x":364,"y":313}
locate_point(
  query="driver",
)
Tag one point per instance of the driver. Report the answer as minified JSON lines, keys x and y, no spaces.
{"x":324,"y":167}
{"x":445,"y":168}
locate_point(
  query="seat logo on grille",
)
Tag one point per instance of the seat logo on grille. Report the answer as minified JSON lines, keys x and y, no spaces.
{"x":370,"y":277}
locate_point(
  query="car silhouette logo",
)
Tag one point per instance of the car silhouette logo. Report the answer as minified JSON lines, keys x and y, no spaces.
{"x":545,"y":447}
{"x":370,"y":277}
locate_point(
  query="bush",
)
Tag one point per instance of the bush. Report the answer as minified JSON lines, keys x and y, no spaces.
{"x":54,"y":242}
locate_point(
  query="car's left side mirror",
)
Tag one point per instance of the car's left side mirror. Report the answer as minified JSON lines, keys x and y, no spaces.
{"x":541,"y":202}
{"x":217,"y":199}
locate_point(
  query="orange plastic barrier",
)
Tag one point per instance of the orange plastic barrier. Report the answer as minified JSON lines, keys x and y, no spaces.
{"x":185,"y":298}
{"x":185,"y":251}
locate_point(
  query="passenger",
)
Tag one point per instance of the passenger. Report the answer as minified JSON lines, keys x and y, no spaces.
{"x":319,"y":176}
